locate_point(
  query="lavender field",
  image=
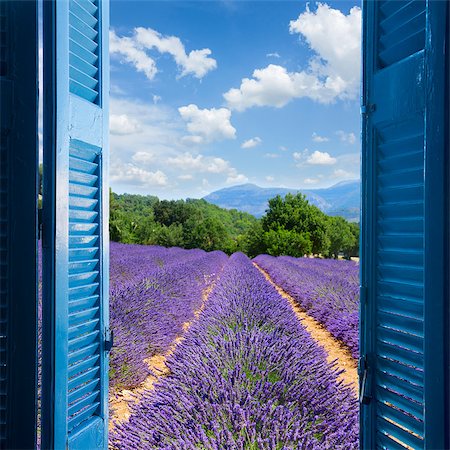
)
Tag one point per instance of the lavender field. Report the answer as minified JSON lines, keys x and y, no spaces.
{"x":242,"y":370}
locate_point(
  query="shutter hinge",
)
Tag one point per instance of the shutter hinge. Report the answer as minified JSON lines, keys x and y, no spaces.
{"x":364,"y":397}
{"x":109,"y":340}
{"x":367,"y":109}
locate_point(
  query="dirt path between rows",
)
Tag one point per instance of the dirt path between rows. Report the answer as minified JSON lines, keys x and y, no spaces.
{"x":120,"y":404}
{"x":335,"y":349}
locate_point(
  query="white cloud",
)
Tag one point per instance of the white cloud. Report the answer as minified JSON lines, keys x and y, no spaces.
{"x":348,"y":138}
{"x":253,"y":142}
{"x":273,"y":55}
{"x":156,"y":99}
{"x":271,"y":155}
{"x":197,"y":62}
{"x":333,"y":73}
{"x":133,"y":54}
{"x":317,"y":138}
{"x":270,"y":178}
{"x":199,"y":163}
{"x":207,"y":125}
{"x":321,"y":159}
{"x":143,"y":158}
{"x":236,"y":178}
{"x":122,"y":124}
{"x":336,"y":40}
{"x":134,"y":51}
{"x":131,"y":174}
{"x":311,"y":180}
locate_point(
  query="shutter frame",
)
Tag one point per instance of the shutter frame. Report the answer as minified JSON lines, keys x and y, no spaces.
{"x":75,"y":413}
{"x":18,"y":226}
{"x":424,"y":101}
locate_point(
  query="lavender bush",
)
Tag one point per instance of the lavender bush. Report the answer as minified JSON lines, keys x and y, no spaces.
{"x":327,"y":289}
{"x":153,"y":292}
{"x":247,"y":376}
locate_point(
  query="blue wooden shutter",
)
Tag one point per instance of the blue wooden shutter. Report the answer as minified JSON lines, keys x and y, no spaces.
{"x":18,"y":224}
{"x":75,"y":402}
{"x":403,"y":254}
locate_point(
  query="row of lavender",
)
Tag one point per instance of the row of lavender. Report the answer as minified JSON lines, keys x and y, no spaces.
{"x":248,"y":375}
{"x":328,"y":290}
{"x":153,"y":292}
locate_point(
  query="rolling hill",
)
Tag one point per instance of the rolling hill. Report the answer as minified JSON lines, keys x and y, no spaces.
{"x":341,"y":199}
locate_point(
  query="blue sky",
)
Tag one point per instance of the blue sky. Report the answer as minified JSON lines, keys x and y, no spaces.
{"x":208,"y":94}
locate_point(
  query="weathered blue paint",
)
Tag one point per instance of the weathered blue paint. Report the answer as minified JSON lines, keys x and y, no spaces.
{"x":75,"y":229}
{"x":18,"y":217}
{"x":404,"y":262}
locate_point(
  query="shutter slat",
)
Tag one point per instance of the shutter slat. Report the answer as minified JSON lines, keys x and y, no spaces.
{"x":393,"y":352}
{"x":83,"y":303}
{"x":80,"y":279}
{"x":400,"y":402}
{"x":83,"y":353}
{"x":83,"y":14}
{"x":80,"y":254}
{"x":393,"y":431}
{"x":401,"y":322}
{"x":85,"y":327}
{"x":81,"y":266}
{"x":83,"y":341}
{"x":82,"y":373}
{"x":400,"y":386}
{"x":401,"y":370}
{"x":82,"y":291}
{"x":82,"y":228}
{"x":406,"y":421}
{"x":78,"y":393}
{"x":83,"y":241}
{"x":83,"y":416}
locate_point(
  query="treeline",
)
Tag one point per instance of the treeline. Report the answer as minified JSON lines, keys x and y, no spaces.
{"x":291,"y":226}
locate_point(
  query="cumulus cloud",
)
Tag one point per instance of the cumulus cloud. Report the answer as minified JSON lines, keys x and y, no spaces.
{"x":347,"y":138}
{"x":131,"y":174}
{"x":315,"y":158}
{"x":122,"y":124}
{"x":207,"y":125}
{"x":133,"y":54}
{"x":321,"y":159}
{"x":250,"y":143}
{"x":336,"y":40}
{"x":133,"y":50}
{"x":205,"y":165}
{"x":317,"y":138}
{"x":332,"y":73}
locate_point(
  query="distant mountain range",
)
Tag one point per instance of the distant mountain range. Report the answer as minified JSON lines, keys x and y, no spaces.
{"x":342,"y":199}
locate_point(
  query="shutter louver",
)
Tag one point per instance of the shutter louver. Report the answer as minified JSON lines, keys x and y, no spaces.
{"x":400,"y":234}
{"x":83,"y":49}
{"x":401,"y":30}
{"x":402,"y":172}
{"x":84,"y":335}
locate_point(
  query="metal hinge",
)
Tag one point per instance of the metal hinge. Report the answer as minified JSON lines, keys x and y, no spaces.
{"x":367,"y":109}
{"x":363,"y":294}
{"x":109,"y":340}
{"x":364,"y":397}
